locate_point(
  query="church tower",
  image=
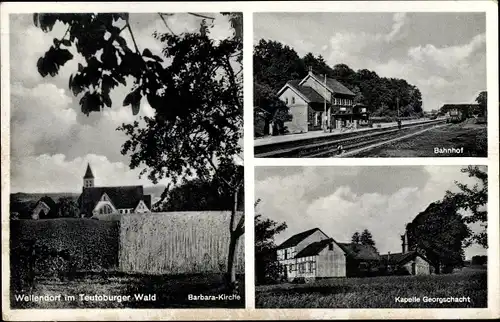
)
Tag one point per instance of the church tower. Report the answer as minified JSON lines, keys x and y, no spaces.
{"x":88,"y":178}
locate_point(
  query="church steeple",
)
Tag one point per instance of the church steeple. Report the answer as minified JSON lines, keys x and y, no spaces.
{"x":88,"y":178}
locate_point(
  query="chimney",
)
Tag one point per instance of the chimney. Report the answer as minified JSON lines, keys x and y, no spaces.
{"x":403,"y":243}
{"x":310,"y":70}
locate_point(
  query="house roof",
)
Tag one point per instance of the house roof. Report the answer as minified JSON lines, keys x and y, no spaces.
{"x":400,"y":258}
{"x":88,"y":173}
{"x":49,"y":202}
{"x":147,"y":201}
{"x":335,"y":85}
{"x":308,"y":92}
{"x":297,"y":238}
{"x":459,"y":105}
{"x":121,"y":197}
{"x":359,"y":251}
{"x":314,"y":248}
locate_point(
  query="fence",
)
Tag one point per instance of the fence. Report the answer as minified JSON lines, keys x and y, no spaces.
{"x":177,"y":243}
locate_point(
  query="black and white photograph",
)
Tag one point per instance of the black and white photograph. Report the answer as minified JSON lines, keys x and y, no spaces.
{"x":369,"y":84}
{"x":371,"y":236}
{"x":126,"y":160}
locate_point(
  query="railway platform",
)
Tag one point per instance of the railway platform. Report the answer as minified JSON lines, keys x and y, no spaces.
{"x":321,"y":134}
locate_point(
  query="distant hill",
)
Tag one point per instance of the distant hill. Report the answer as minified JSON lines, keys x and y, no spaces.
{"x":155,"y":191}
{"x":26,"y":197}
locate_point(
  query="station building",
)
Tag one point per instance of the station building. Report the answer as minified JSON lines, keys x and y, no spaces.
{"x":316,"y":103}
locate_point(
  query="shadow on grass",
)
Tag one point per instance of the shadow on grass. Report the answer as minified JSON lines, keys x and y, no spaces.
{"x":186,"y":291}
{"x":319,"y":290}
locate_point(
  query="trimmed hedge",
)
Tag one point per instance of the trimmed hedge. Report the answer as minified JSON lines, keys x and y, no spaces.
{"x":90,"y":244}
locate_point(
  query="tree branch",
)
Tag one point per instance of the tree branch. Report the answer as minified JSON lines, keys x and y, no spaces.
{"x":133,"y":38}
{"x":201,"y":16}
{"x":165,"y":22}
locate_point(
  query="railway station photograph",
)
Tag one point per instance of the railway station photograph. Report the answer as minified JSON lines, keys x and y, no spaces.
{"x":371,"y":236}
{"x":370,"y":85}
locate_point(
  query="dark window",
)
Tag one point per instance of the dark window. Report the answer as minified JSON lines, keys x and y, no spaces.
{"x":293,"y":100}
{"x":330,"y":246}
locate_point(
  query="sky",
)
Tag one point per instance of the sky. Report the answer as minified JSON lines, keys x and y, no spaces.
{"x":443,"y":54}
{"x":51,"y":139}
{"x":342,"y":200}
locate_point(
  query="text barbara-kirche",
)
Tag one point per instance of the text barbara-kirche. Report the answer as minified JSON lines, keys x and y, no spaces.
{"x":220,"y":297}
{"x":428,"y":299}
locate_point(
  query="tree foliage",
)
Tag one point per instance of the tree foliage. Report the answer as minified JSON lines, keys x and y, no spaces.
{"x":366,"y":238}
{"x":197,"y":98}
{"x":67,"y":207}
{"x":439,"y":232}
{"x":200,"y":195}
{"x":482,"y":100}
{"x":356,"y":238}
{"x":275,"y":64}
{"x":266,"y":265}
{"x":474,"y":201}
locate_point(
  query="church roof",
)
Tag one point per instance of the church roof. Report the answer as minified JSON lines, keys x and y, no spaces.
{"x":122,"y":197}
{"x":88,"y":173}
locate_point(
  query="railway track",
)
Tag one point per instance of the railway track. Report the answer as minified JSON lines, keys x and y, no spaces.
{"x":351,"y":143}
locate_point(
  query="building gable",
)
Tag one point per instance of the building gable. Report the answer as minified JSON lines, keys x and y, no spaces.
{"x":332,"y":85}
{"x":297,"y":238}
{"x":104,"y":207}
{"x":105,"y":197}
{"x":282,"y":93}
{"x":141,"y":207}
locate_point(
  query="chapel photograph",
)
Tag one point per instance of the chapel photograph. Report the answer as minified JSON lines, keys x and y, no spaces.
{"x":371,"y":236}
{"x":378,"y":84}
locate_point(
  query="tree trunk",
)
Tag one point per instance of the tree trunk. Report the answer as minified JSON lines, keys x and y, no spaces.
{"x":235,"y":233}
{"x":231,"y":270}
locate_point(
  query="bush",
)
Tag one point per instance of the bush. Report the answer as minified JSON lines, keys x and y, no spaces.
{"x":91,"y":244}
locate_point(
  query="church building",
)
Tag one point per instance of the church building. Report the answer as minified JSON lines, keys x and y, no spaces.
{"x":111,"y":200}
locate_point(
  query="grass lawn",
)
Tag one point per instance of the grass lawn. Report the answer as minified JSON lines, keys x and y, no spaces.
{"x":472,"y":137}
{"x":377,"y":292}
{"x":170,"y":291}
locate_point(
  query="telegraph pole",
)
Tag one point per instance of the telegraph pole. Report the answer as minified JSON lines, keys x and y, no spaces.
{"x":397,"y":105}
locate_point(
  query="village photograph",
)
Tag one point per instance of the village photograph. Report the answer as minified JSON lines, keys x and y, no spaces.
{"x":126,"y":159}
{"x":369,"y":84}
{"x":371,"y":237}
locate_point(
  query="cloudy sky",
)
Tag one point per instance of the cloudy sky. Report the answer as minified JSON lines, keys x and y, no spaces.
{"x":52,"y":141}
{"x":443,"y":54}
{"x":342,"y":200}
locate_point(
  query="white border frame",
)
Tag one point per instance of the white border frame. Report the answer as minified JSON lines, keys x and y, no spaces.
{"x":250,"y":8}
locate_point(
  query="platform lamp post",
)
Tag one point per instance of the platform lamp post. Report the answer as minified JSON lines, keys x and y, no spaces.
{"x":326,"y":117}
